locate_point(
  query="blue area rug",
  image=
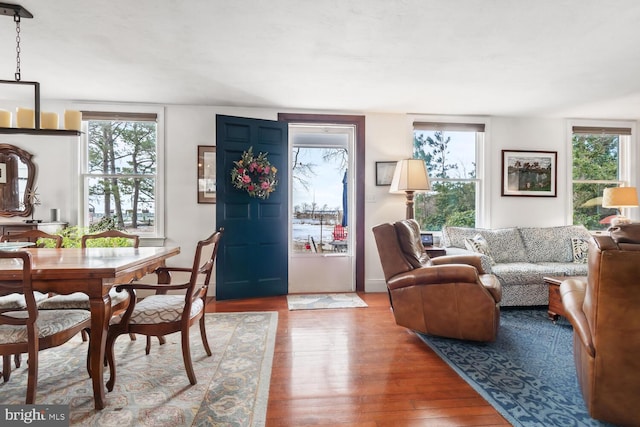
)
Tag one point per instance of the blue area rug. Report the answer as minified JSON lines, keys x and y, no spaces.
{"x":528,"y":374}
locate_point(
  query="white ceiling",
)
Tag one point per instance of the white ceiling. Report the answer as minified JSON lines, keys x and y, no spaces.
{"x":547,"y":58}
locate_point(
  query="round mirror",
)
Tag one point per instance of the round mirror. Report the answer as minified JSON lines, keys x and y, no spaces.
{"x":17,"y":174}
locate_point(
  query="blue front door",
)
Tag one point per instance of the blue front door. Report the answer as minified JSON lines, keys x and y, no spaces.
{"x":253,"y":254}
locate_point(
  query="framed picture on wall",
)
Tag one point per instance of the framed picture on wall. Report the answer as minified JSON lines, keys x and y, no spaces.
{"x":206,"y":174}
{"x":384,"y":172}
{"x":3,"y":173}
{"x":529,"y":173}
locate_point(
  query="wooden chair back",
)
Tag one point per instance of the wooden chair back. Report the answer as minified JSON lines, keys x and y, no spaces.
{"x":110,"y":234}
{"x":159,"y":310}
{"x":32,"y":236}
{"x":67,"y":323}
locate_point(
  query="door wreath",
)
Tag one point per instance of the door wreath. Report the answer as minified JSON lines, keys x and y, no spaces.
{"x":255,"y":175}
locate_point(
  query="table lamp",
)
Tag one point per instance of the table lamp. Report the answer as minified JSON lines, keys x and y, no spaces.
{"x":410,"y":176}
{"x":618,"y":198}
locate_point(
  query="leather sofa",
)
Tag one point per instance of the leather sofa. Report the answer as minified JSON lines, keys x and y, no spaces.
{"x":448,"y":296}
{"x":605,"y":313}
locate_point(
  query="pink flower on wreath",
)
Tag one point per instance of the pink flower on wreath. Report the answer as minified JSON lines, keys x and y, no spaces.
{"x":246,"y":179}
{"x":264,"y":185}
{"x":250,"y":188}
{"x":240,"y":171}
{"x":267,"y":170}
{"x":253,"y":166}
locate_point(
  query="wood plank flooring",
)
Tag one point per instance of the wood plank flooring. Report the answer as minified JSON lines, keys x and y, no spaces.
{"x":356,"y":367}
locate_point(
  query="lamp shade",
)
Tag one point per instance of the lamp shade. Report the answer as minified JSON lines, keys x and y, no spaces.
{"x":620,"y":197}
{"x":410,"y":175}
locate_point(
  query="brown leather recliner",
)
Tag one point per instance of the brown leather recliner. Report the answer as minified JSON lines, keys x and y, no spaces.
{"x":448,"y":296}
{"x":605,"y":314}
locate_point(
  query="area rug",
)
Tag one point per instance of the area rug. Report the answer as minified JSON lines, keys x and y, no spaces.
{"x":153,"y":390}
{"x":320,"y":301}
{"x":528,"y":374}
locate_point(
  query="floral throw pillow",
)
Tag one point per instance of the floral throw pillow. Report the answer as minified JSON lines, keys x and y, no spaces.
{"x":579,"y":247}
{"x":478,"y":244}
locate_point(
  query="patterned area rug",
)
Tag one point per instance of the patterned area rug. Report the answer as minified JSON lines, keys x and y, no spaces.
{"x":153,"y":390}
{"x":528,"y":374}
{"x":319,"y":301}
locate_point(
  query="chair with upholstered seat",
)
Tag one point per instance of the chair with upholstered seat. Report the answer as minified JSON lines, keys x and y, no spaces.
{"x":79,"y":300}
{"x":16,"y":301}
{"x":164,"y":313}
{"x":448,"y":296}
{"x":604,"y":311}
{"x":33,"y":236}
{"x":109,"y":238}
{"x":31,"y":330}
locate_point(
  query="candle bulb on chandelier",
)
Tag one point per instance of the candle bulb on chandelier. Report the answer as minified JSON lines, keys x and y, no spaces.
{"x":5,"y":119}
{"x":48,"y":120}
{"x":25,"y":118}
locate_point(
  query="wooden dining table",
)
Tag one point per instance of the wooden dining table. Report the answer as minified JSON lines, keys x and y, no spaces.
{"x":93,"y":271}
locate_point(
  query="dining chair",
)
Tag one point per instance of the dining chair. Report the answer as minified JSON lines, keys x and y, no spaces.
{"x":162,"y":313}
{"x":30,"y":330}
{"x":33,"y":236}
{"x":79,"y":300}
{"x":109,"y":238}
{"x":16,"y":301}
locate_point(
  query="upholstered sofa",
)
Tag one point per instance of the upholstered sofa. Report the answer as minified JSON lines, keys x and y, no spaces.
{"x":521,"y":256}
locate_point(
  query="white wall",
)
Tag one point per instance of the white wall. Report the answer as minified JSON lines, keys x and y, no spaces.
{"x":388,"y":138}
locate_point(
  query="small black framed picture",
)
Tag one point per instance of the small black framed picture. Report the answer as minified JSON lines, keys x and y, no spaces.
{"x":427,"y":239}
{"x":384,"y":172}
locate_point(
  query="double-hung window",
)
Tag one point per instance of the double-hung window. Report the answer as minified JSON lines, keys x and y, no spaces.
{"x":601,"y":159}
{"x":451,"y":152}
{"x":120,"y":176}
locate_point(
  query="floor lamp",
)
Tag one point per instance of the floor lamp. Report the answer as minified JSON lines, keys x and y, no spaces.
{"x":618,"y":198}
{"x":410,"y":176}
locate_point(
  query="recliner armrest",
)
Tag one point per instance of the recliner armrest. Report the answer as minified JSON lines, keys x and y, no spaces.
{"x":572,"y":292}
{"x":473,"y":260}
{"x":433,"y":275}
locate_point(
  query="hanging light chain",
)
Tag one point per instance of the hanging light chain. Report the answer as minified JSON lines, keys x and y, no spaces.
{"x":16,"y":19}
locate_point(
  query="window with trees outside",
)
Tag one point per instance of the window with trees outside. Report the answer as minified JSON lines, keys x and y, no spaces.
{"x":120,"y":171}
{"x":450,"y":151}
{"x":600,"y":156}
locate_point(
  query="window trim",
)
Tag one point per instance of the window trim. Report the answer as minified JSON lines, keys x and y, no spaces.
{"x":478,"y":124}
{"x":628,"y":156}
{"x":128,"y":112}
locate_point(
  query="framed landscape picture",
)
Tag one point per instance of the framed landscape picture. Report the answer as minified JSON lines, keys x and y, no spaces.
{"x":206,"y":174}
{"x":529,"y":173}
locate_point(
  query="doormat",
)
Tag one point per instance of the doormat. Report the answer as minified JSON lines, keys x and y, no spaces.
{"x":320,"y":301}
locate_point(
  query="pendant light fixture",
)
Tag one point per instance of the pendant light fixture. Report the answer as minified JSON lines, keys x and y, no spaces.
{"x":18,"y":12}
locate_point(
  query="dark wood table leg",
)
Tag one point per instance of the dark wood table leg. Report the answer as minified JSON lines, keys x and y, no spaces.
{"x":100,"y":314}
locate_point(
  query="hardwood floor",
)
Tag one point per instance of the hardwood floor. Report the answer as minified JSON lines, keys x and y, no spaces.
{"x":356,"y":367}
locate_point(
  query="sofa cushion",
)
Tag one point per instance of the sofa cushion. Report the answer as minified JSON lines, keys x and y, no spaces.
{"x":551,"y":244}
{"x":478,"y":244}
{"x":524,"y":273}
{"x":455,"y":236}
{"x":567,"y":268}
{"x":505,"y":244}
{"x":580,"y":247}
{"x":485,"y":260}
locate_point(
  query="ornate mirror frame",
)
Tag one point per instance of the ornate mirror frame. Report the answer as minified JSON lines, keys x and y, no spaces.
{"x":14,"y":185}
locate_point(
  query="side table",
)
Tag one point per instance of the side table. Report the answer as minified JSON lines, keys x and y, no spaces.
{"x":435,"y":251}
{"x":556,"y":309}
